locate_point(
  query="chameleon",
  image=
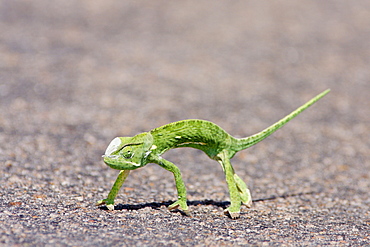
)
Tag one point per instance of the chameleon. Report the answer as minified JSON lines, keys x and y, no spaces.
{"x":130,"y":153}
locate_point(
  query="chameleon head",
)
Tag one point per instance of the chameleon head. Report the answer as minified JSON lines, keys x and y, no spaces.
{"x":128,"y":153}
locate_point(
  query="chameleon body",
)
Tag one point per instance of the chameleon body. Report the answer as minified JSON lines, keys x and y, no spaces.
{"x":129,"y":153}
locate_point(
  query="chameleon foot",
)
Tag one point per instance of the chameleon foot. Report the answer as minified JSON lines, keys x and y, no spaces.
{"x":232,"y":215}
{"x":108,"y":203}
{"x":180,"y":205}
{"x":248,"y":204}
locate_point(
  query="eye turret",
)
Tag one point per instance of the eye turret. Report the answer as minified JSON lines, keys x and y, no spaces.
{"x":127,"y":152}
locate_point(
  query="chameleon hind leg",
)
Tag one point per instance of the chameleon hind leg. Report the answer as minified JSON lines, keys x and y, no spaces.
{"x":237,"y":188}
{"x":244,"y":192}
{"x":180,"y":186}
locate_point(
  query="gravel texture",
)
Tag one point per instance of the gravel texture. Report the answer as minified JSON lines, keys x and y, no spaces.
{"x":76,"y":74}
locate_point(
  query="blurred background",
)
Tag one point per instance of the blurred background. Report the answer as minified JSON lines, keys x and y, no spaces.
{"x":155,"y":59}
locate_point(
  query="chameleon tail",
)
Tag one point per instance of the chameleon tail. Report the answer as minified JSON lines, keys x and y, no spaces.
{"x":244,"y":143}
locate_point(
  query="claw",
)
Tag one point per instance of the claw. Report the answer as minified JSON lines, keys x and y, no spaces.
{"x":109,"y":204}
{"x":248,"y":204}
{"x":178,"y":209}
{"x":173,"y":206}
{"x":101,"y":202}
{"x":232,"y":215}
{"x":180,"y":205}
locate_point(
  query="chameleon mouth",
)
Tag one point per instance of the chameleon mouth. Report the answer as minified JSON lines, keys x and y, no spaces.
{"x":116,"y":162}
{"x":109,"y":156}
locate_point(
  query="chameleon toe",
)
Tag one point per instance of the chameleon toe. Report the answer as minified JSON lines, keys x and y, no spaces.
{"x":232,"y":215}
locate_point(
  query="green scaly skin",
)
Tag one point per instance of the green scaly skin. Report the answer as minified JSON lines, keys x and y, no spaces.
{"x":129,"y":153}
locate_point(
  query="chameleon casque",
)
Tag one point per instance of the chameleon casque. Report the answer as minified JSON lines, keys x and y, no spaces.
{"x":130,"y":153}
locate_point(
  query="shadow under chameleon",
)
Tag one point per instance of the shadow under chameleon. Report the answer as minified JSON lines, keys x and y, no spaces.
{"x":223,"y":205}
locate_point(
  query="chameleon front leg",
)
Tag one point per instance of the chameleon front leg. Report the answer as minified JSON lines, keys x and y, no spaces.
{"x":237,"y":188}
{"x":180,"y":185}
{"x":109,"y":201}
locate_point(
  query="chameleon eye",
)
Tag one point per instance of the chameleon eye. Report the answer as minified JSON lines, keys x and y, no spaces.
{"x":127,"y":152}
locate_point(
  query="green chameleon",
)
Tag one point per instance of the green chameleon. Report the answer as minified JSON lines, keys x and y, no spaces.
{"x":129,"y":153}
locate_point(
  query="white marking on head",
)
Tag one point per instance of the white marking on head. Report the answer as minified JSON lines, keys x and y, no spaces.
{"x":135,"y":164}
{"x":147,"y":154}
{"x":153,"y":147}
{"x":114,"y":144}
